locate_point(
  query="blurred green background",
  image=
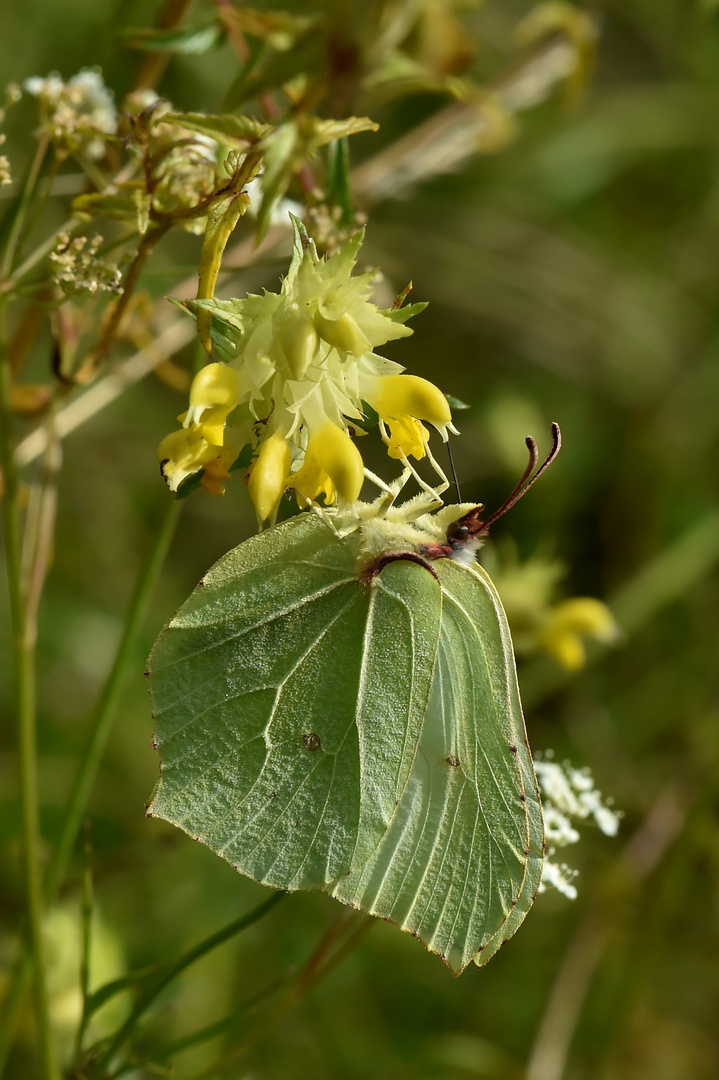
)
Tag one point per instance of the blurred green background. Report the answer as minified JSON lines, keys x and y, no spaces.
{"x":572,"y":277}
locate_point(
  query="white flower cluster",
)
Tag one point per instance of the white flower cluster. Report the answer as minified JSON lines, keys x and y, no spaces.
{"x":78,"y":270}
{"x":568,"y":795}
{"x":76,"y":113}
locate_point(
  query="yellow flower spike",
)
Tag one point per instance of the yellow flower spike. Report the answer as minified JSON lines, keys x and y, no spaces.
{"x":299,"y":341}
{"x":395,"y":397}
{"x":333,"y":465}
{"x":216,"y":388}
{"x":582,"y":615}
{"x":407,"y":437}
{"x":585,"y":615}
{"x":343,"y":333}
{"x":268,"y":478}
{"x":182,"y":453}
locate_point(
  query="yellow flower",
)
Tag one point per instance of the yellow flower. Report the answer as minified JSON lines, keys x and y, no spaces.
{"x":214,"y":394}
{"x":568,"y":622}
{"x":343,"y":333}
{"x":407,"y":437}
{"x":401,"y":401}
{"x":217,"y":468}
{"x":268,"y":478}
{"x":332,"y":466}
{"x":298,"y":366}
{"x":183,"y":453}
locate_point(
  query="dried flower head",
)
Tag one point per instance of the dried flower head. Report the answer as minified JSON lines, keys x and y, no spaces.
{"x":78,"y":269}
{"x":76,"y":114}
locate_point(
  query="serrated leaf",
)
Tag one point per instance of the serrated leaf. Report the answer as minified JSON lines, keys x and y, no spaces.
{"x":279,"y":29}
{"x":189,"y":42}
{"x":402,"y":314}
{"x":301,"y":244}
{"x":120,"y":206}
{"x":237,"y":132}
{"x":316,"y":131}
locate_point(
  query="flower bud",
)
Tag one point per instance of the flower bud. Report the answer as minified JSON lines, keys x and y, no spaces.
{"x":299,"y":341}
{"x":582,"y":615}
{"x":343,"y":334}
{"x":214,"y":385}
{"x":269,"y":477}
{"x":585,"y":615}
{"x":331,"y":456}
{"x":213,"y":395}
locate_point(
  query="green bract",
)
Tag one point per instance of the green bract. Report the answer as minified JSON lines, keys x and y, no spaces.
{"x":326,"y":719}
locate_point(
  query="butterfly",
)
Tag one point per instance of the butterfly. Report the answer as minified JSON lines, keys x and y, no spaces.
{"x":341,"y":711}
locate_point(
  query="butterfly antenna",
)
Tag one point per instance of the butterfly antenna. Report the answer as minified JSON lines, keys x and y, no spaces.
{"x":527,"y":479}
{"x":454,"y":471}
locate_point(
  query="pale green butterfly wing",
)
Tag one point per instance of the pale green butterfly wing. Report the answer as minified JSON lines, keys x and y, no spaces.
{"x":288,"y":698}
{"x":456,"y":867}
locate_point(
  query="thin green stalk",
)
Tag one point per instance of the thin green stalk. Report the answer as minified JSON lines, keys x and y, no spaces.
{"x":30,"y":182}
{"x":23,"y":638}
{"x":210,"y":1031}
{"x":87,"y":902}
{"x":85,"y":779}
{"x":323,"y":961}
{"x":105,"y":713}
{"x":148,"y":996}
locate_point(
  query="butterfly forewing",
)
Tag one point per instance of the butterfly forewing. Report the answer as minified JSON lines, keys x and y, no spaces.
{"x":287,"y":714}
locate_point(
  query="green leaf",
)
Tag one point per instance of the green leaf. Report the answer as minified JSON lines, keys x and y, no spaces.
{"x":187,"y":42}
{"x":225,"y":336}
{"x":237,"y":132}
{"x":455,"y":403}
{"x":287,"y":148}
{"x":325,"y":724}
{"x":403,"y":314}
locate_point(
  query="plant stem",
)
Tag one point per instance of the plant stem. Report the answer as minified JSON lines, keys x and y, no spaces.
{"x":105,"y":713}
{"x":30,"y":182}
{"x":85,"y":779}
{"x":149,"y":995}
{"x":23,"y":639}
{"x":99,"y":352}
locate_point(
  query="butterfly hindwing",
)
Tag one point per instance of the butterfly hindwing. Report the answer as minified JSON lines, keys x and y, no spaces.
{"x":452,"y":867}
